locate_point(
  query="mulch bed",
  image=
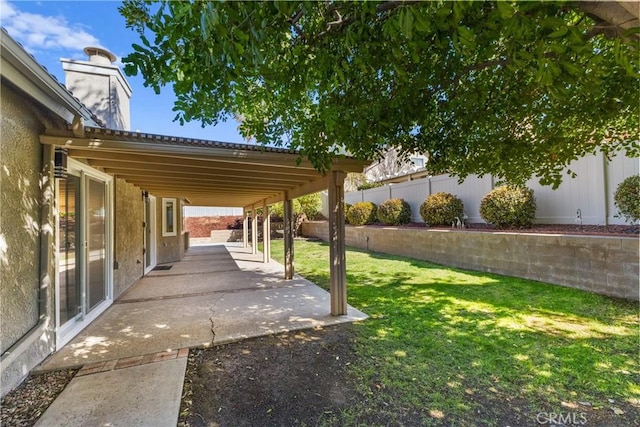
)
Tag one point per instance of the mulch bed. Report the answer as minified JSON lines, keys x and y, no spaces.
{"x":290,"y":379}
{"x":24,"y":405}
{"x":601,"y":230}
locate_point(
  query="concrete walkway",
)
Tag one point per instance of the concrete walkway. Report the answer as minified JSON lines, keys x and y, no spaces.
{"x":133,"y":357}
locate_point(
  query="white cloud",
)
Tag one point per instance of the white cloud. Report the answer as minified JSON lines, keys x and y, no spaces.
{"x":39,"y":32}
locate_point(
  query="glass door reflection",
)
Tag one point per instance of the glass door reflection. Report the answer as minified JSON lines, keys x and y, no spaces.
{"x":96,"y":243}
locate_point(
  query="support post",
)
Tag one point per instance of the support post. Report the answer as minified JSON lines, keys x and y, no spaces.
{"x":337,"y":258}
{"x":288,"y":237}
{"x":266,"y":232}
{"x":254,"y":230}
{"x":245,"y":228}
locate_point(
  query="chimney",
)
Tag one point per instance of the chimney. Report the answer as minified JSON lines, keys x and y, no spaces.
{"x":101,"y":86}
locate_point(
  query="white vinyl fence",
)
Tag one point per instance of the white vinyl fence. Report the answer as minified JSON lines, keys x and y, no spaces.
{"x":587,"y":198}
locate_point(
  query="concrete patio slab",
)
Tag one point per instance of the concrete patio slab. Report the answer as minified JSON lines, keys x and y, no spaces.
{"x":161,"y":312}
{"x":144,"y":395}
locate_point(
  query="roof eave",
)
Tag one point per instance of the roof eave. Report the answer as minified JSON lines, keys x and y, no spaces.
{"x":24,"y":63}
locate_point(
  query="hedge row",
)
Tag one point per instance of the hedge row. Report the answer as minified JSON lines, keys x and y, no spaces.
{"x":503,"y":207}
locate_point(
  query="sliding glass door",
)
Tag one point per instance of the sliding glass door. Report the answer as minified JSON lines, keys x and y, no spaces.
{"x":70,"y":294}
{"x":96,"y":242}
{"x":84,"y":278}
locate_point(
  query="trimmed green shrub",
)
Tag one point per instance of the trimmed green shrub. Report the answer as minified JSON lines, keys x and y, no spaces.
{"x":509,"y":206}
{"x":347,"y":206}
{"x":394,"y":212}
{"x":627,"y":198}
{"x":362,"y":213}
{"x":441,"y":209}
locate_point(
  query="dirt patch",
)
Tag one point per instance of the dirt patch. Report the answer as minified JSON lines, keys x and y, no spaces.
{"x":296,"y":378}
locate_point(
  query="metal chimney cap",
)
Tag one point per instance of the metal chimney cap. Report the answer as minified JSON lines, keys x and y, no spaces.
{"x":98,"y":51}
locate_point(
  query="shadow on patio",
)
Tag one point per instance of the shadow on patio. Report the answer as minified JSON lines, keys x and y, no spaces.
{"x":216,"y":294}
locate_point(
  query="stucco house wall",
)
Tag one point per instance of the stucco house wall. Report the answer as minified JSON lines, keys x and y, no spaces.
{"x":169,"y":248}
{"x":129,"y":239}
{"x":20,"y":254}
{"x":33,"y":103}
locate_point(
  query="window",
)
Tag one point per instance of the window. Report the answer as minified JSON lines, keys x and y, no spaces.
{"x":418,"y":162}
{"x":169,"y":217}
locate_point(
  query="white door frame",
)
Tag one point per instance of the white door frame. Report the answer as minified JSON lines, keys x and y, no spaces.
{"x":66,"y":332}
{"x":150,"y":245}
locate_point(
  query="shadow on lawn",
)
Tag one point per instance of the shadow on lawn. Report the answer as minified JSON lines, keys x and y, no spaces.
{"x":456,"y":343}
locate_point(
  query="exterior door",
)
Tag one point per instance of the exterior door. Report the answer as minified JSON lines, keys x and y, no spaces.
{"x":84,"y":285}
{"x":149,"y":233}
{"x":69,"y":246}
{"x":96,"y":289}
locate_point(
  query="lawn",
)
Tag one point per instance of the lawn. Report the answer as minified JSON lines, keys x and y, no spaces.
{"x":455,"y":347}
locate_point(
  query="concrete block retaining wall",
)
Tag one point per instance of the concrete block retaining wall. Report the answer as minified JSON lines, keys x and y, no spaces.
{"x":607,"y":265}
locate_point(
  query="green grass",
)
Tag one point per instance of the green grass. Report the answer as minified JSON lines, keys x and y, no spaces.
{"x":461,"y":348}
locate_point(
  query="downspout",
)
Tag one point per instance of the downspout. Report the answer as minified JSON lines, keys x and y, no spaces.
{"x":116,"y":264}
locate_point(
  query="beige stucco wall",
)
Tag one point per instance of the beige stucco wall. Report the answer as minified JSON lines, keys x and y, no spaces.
{"x":169,"y":248}
{"x":20,"y":219}
{"x":607,"y":265}
{"x":128,"y":234}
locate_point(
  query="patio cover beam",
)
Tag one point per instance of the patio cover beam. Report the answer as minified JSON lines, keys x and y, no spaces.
{"x":197,"y":164}
{"x":254,"y":230}
{"x":266,"y":233}
{"x":245,"y":228}
{"x":288,"y":237}
{"x":215,"y":173}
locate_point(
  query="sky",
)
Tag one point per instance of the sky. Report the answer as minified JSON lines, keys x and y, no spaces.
{"x":51,"y":30}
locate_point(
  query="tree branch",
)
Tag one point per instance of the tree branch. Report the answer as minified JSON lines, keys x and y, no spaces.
{"x":294,"y":23}
{"x":342,"y":22}
{"x":475,"y":67}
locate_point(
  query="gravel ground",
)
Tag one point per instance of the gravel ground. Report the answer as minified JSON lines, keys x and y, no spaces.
{"x":23,"y":405}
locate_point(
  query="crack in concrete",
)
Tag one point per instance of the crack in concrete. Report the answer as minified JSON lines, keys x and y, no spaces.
{"x":213,"y":331}
{"x":213,"y":325}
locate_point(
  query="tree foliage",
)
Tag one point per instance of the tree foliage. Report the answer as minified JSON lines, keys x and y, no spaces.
{"x":515,"y":89}
{"x":309,"y":205}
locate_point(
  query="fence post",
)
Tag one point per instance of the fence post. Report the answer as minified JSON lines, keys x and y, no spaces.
{"x":605,"y":180}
